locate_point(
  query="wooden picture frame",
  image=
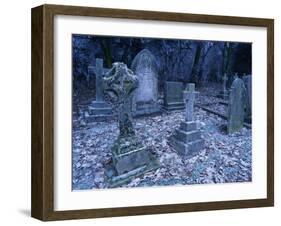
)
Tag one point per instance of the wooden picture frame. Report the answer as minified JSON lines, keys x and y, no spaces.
{"x":42,"y":203}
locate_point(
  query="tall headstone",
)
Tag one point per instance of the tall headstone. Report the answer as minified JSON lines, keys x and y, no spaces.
{"x":173,"y":96}
{"x":98,"y":110}
{"x":145,"y":99}
{"x":236,"y":106}
{"x":248,"y":84}
{"x":129,"y":156}
{"x":187,"y":140}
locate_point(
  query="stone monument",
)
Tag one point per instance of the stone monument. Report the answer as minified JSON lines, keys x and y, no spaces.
{"x":224,"y":93}
{"x":173,"y":96}
{"x":248,"y":84}
{"x":145,"y":99}
{"x":236,"y":105}
{"x":130,"y":157}
{"x":98,"y":110}
{"x":187,"y":140}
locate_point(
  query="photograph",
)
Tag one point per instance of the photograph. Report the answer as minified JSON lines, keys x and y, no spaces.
{"x":140,"y":112}
{"x":150,"y":111}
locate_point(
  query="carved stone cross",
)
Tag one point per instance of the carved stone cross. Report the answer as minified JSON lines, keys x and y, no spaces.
{"x":189,"y":97}
{"x":121,"y":81}
{"x":99,"y":71}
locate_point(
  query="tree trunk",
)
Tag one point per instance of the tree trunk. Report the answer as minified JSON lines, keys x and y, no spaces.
{"x":196,"y":63}
{"x":105,"y":44}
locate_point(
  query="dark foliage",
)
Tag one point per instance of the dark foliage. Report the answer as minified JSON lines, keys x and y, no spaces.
{"x":178,"y":60}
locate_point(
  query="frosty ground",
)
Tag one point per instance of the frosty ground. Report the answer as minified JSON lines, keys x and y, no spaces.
{"x":225,"y":158}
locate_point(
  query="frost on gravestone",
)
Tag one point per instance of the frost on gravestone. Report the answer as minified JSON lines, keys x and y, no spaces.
{"x":236,"y":106}
{"x":187,"y":140}
{"x":130,"y":157}
{"x":145,"y":99}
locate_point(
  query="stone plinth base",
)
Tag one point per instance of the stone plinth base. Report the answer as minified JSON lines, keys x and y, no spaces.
{"x":187,"y":140}
{"x":172,"y":106}
{"x":129,"y":159}
{"x":143,"y":109}
{"x":99,"y":111}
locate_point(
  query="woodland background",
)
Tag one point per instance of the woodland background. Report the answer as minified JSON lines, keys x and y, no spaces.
{"x":178,"y":60}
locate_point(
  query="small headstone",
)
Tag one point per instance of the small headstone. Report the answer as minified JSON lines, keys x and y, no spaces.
{"x":187,"y":140}
{"x":248,"y":84}
{"x":173,"y":96}
{"x":145,"y":100}
{"x":224,"y":93}
{"x":236,"y":106}
{"x":130,"y":157}
{"x":98,"y":110}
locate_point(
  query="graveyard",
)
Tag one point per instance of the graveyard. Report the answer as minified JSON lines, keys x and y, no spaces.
{"x":135,"y":127}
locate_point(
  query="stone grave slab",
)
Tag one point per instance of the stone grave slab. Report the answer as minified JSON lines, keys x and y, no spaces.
{"x":173,"y":96}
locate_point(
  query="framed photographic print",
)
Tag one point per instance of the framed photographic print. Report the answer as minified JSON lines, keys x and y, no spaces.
{"x":141,"y":112}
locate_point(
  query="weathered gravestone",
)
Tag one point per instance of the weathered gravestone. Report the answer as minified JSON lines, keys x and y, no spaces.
{"x":98,"y":110}
{"x":187,"y":140}
{"x":236,"y":105}
{"x":173,"y":96}
{"x":129,"y":156}
{"x":145,"y":99}
{"x":248,"y":84}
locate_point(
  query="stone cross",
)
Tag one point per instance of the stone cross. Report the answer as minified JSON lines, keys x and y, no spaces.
{"x":130,"y":157}
{"x":224,"y":79}
{"x":99,"y":71}
{"x":186,"y":139}
{"x":121,"y":81}
{"x":189,"y":97}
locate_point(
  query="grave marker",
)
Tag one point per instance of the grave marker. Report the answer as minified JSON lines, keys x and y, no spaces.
{"x":224,"y":93}
{"x":187,"y":140}
{"x":98,"y":110}
{"x":145,"y":100}
{"x":129,"y":156}
{"x":236,"y":106}
{"x":248,"y":84}
{"x":173,"y":96}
